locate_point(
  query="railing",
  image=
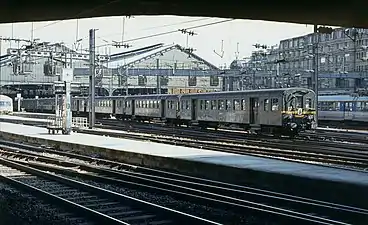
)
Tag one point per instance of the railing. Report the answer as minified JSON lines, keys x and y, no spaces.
{"x":79,"y":122}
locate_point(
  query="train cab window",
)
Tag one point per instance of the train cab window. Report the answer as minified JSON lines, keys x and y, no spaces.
{"x":299,"y":102}
{"x":308,"y":103}
{"x":206,"y":104}
{"x":236,"y":104}
{"x":153,"y":104}
{"x":221,"y":105}
{"x":243,"y":104}
{"x":213,"y":105}
{"x":266,"y":105}
{"x":275,"y":104}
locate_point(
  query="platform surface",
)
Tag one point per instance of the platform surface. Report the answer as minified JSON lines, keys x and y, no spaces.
{"x":13,"y":117}
{"x":206,"y":156}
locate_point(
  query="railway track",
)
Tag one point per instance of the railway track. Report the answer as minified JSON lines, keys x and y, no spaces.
{"x":350,"y":156}
{"x":99,"y":205}
{"x":286,"y":209}
{"x":342,"y":155}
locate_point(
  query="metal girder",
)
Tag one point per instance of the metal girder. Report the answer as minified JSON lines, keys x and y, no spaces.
{"x":57,"y":55}
{"x":6,"y":60}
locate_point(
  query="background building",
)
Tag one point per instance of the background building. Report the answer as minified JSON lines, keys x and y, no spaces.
{"x":342,"y":58}
{"x":153,"y":69}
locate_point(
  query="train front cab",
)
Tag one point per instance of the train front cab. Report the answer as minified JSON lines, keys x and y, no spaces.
{"x":299,"y":111}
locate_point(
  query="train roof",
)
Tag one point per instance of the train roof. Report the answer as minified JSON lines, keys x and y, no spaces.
{"x":341,"y":98}
{"x":5,"y":98}
{"x":280,"y":90}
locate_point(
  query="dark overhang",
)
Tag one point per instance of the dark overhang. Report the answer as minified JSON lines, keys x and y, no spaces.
{"x":338,"y":13}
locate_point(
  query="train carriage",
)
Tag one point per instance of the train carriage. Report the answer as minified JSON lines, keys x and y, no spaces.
{"x":343,"y":109}
{"x":268,"y":109}
{"x":149,"y":107}
{"x":6,"y":105}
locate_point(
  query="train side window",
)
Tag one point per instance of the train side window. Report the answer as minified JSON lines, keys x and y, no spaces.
{"x":337,"y":106}
{"x":213,"y":105}
{"x":206,"y":104}
{"x":275,"y":104}
{"x":243,"y":104}
{"x":236,"y":104}
{"x":228,"y":104}
{"x":221,"y":105}
{"x":266,"y":104}
{"x":365,"y":106}
{"x":201,"y":105}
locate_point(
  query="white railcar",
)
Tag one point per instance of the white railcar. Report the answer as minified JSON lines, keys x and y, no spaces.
{"x":6,"y":105}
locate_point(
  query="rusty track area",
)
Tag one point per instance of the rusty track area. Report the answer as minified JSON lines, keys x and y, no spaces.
{"x":271,"y":205}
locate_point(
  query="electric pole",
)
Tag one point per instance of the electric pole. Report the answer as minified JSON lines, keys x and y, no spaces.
{"x":92,"y":67}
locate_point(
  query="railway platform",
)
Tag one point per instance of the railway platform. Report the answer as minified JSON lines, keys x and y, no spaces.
{"x":277,"y":175}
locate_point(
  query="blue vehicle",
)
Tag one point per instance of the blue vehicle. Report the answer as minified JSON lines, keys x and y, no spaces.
{"x":346,"y":109}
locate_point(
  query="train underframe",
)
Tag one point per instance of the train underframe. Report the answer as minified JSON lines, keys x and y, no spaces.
{"x":290,"y":126}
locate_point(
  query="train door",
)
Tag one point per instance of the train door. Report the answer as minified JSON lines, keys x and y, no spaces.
{"x":194,"y":109}
{"x":132,"y":106}
{"x":114,"y":107}
{"x":348,"y":111}
{"x":163,"y":108}
{"x":254,"y":110}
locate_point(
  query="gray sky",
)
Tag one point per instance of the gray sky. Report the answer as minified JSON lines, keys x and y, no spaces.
{"x":244,"y":32}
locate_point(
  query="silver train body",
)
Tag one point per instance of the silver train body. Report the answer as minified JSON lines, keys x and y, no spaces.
{"x":270,"y":110}
{"x":343,"y":109}
{"x":6,"y":105}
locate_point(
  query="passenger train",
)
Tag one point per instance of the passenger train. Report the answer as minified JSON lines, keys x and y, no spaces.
{"x":343,"y":110}
{"x":287,"y":111}
{"x":6,"y":105}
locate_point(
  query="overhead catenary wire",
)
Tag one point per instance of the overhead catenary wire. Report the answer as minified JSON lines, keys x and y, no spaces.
{"x":168,"y":32}
{"x":154,"y":27}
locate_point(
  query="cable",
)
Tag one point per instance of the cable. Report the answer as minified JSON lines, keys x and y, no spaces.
{"x":81,"y":13}
{"x":174,"y":24}
{"x":150,"y":28}
{"x":168,"y":32}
